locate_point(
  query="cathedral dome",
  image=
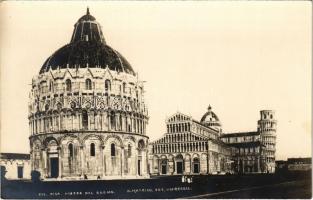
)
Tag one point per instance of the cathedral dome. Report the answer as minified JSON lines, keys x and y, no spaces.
{"x":210,"y":119}
{"x":87,"y":49}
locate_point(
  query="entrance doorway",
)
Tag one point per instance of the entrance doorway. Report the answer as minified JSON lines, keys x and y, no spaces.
{"x":20,"y":172}
{"x":240,"y":170}
{"x":54,"y":167}
{"x":196,"y":166}
{"x":164,"y":166}
{"x":179,"y":167}
{"x":179,"y":164}
{"x":139,"y":167}
{"x":163,"y":169}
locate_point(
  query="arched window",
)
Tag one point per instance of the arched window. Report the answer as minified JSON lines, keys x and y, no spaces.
{"x":47,"y":107}
{"x":124,"y":87}
{"x":129,"y":150}
{"x":85,"y":119}
{"x":51,"y":86}
{"x":68,"y":84}
{"x":71,"y":150}
{"x":92,"y":149}
{"x":141,"y":144}
{"x":88,"y":84}
{"x":112,"y":120}
{"x":107,"y":85}
{"x":112,"y":149}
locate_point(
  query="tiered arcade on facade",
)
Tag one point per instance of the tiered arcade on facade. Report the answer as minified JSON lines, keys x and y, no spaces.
{"x":87,"y":115}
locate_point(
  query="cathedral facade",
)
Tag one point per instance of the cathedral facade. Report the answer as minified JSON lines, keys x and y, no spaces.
{"x":190,"y":147}
{"x":87,"y":115}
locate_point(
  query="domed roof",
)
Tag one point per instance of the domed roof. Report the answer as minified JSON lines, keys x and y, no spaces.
{"x":210,"y":118}
{"x":87,"y":49}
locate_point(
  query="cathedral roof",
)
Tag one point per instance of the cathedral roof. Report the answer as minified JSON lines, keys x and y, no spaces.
{"x":87,"y":48}
{"x":240,"y":134}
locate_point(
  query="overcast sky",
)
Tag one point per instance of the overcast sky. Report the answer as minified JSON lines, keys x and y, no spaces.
{"x":240,"y":57}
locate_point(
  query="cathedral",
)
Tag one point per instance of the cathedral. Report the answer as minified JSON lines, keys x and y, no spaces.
{"x":191,"y":147}
{"x":87,"y":114}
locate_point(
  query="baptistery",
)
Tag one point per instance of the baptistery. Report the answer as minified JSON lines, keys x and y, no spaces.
{"x":87,"y":115}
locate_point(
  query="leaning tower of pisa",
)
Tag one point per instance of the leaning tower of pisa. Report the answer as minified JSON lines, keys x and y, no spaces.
{"x":267,"y":129}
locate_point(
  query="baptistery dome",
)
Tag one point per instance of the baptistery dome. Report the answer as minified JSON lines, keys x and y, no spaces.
{"x":87,"y":48}
{"x":87,"y":114}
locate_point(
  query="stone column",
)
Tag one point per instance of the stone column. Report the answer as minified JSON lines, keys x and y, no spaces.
{"x":89,"y":117}
{"x":59,"y":118}
{"x":208,"y":159}
{"x":141,"y":126}
{"x":79,"y":120}
{"x":60,"y":162}
{"x":171,"y":168}
{"x":147,"y":162}
{"x":102,"y":161}
{"x":109,"y":121}
{"x":122,"y":161}
{"x":117,"y":121}
{"x":72,"y":126}
{"x":44,"y":162}
{"x":40,"y":124}
{"x":144,"y":127}
{"x":102,"y":120}
{"x":187,"y":167}
{"x":29,"y":128}
{"x":82,"y":160}
{"x":52,"y":122}
{"x":258,"y":164}
{"x":96,"y":117}
{"x":137,"y":125}
{"x":136,"y":161}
